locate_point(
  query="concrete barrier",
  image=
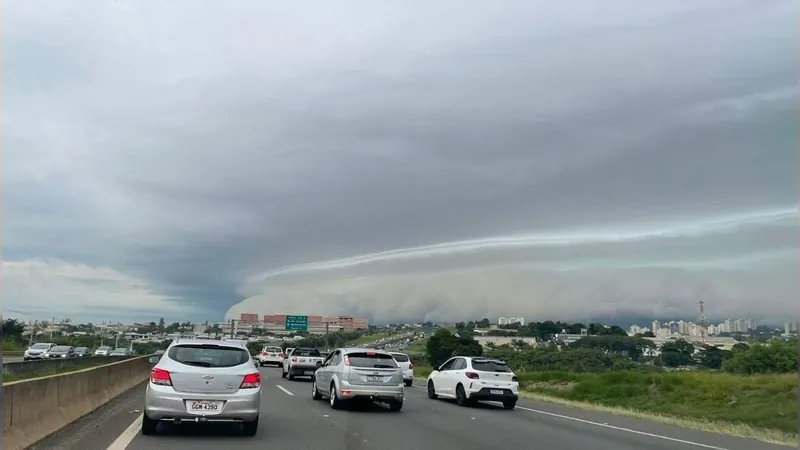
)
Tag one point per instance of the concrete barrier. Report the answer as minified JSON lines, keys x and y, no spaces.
{"x":53,"y":365}
{"x":36,"y":408}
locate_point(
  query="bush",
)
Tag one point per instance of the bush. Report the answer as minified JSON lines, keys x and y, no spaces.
{"x":762,"y":401}
{"x":570,"y":359}
{"x":775,"y":357}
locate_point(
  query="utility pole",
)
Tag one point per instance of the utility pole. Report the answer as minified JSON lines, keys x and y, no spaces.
{"x":232,"y":330}
{"x":327,"y":330}
{"x":116,"y":341}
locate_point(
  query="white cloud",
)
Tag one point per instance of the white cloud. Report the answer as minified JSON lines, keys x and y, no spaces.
{"x":46,"y":288}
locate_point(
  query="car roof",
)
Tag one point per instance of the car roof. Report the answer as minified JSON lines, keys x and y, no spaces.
{"x":231,"y":344}
{"x":348,"y":350}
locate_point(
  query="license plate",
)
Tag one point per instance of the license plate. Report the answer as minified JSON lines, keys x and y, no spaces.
{"x":496,"y":392}
{"x":374,"y":378}
{"x":203,"y":406}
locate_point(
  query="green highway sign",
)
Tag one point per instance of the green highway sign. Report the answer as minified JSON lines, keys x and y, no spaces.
{"x":296,"y":323}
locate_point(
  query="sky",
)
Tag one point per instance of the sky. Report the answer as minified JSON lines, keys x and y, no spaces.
{"x":195,"y":159}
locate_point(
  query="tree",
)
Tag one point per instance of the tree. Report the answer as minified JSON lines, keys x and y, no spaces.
{"x":443,"y":345}
{"x":712,"y":357}
{"x":776,"y":356}
{"x":161,"y":323}
{"x":12,"y":328}
{"x":677,"y":353}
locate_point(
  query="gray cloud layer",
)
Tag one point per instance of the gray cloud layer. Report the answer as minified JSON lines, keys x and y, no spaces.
{"x":194,"y":148}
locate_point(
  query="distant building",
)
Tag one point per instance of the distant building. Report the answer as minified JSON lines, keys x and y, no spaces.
{"x":511,"y":321}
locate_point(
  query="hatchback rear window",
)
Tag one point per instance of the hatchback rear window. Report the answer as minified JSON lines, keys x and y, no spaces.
{"x":372,"y":360}
{"x":209,"y":355}
{"x":491,"y":366}
{"x":60,"y":348}
{"x":400,"y":358}
{"x":273,"y":349}
{"x":40,"y":346}
{"x":310,"y":352}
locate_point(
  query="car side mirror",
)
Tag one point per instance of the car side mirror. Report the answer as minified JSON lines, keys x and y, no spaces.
{"x":153,"y":359}
{"x":436,"y":369}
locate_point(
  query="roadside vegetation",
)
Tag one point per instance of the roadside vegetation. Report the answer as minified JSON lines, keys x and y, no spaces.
{"x":748,"y":391}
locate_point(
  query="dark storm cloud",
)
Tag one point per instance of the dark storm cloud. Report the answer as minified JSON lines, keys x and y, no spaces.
{"x":188,"y":157}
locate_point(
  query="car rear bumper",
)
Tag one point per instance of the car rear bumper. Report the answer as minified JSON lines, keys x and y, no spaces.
{"x":163,"y":403}
{"x":408,"y":374}
{"x":303,"y":371}
{"x":493,"y":394}
{"x":349,"y":391}
{"x":270,"y":360}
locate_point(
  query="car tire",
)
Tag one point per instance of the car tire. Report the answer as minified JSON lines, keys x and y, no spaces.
{"x":461,"y":396}
{"x":283,"y":374}
{"x":509,"y":404}
{"x":250,"y":428}
{"x":395,"y":405}
{"x":148,"y":425}
{"x":314,"y":391}
{"x":432,"y":391}
{"x":290,"y":376}
{"x":409,"y":383}
{"x":335,"y":402}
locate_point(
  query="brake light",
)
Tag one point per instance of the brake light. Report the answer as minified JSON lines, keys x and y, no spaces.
{"x":371,"y":354}
{"x":294,"y":358}
{"x":472,"y":375}
{"x":283,"y":355}
{"x":514,"y":379}
{"x":160,"y":377}
{"x":251,"y":380}
{"x":410,"y":366}
{"x":346,"y":360}
{"x":264,"y":354}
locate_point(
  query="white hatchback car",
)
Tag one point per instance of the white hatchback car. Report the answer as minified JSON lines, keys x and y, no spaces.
{"x":406,"y":366}
{"x":470,"y":379}
{"x":271,"y":355}
{"x":203,"y":380}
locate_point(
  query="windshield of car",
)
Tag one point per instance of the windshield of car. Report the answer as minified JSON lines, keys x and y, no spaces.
{"x":490,"y":366}
{"x":104,"y":348}
{"x":40,"y":346}
{"x":81,"y":349}
{"x":60,"y":348}
{"x":209,"y":355}
{"x":373,"y":360}
{"x":399,"y":357}
{"x":273,"y":350}
{"x":310,"y":352}
{"x":120,"y":350}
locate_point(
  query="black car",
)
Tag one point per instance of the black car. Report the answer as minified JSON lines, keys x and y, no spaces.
{"x":61,"y":351}
{"x":82,"y":352}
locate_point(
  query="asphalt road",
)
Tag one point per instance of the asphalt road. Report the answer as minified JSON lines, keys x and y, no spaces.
{"x":291,"y":419}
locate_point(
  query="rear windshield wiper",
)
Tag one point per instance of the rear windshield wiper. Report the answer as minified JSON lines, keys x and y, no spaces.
{"x":198,"y":363}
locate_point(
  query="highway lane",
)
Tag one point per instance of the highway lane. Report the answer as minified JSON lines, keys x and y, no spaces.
{"x":291,"y":419}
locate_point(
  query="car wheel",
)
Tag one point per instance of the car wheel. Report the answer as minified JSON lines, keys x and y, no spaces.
{"x":290,"y":376}
{"x":409,"y":383}
{"x":461,"y":396}
{"x":509,"y":404}
{"x":314,"y":392}
{"x":395,"y":405}
{"x":432,"y":391}
{"x":283,"y":374}
{"x":148,"y":425}
{"x":335,"y":402}
{"x":250,"y":428}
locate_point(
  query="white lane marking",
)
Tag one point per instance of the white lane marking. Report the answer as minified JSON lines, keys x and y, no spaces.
{"x":604,"y":425}
{"x":627,"y":430}
{"x":127,"y":436}
{"x":286,"y":391}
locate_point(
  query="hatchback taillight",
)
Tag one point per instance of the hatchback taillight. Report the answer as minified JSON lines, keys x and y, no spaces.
{"x":160,"y":377}
{"x":251,"y":380}
{"x":283,"y":355}
{"x":294,"y":358}
{"x":514,"y":379}
{"x":472,"y":375}
{"x":410,"y":366}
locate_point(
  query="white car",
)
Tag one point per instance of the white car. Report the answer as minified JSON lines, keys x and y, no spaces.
{"x":404,"y":362}
{"x":271,"y":356}
{"x":470,"y":379}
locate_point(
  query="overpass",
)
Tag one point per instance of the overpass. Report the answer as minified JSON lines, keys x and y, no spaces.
{"x":100,"y":409}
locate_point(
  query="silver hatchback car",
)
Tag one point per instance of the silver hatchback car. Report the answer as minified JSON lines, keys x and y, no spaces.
{"x":203,"y":380}
{"x":349,"y":374}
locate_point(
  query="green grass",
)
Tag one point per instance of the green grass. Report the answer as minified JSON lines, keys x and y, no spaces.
{"x":418,"y":347}
{"x":761,"y":406}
